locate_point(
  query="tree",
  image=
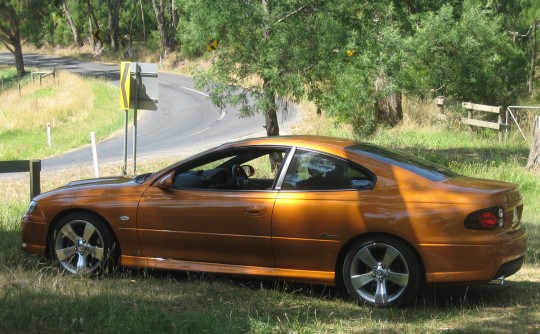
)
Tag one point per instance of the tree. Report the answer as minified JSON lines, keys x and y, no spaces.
{"x":76,"y":37}
{"x":167,"y":21}
{"x":273,"y":50}
{"x":10,"y":35}
{"x":113,"y":10}
{"x":19,"y":17}
{"x":94,"y":23}
{"x":468,"y":58}
{"x":363,"y":87}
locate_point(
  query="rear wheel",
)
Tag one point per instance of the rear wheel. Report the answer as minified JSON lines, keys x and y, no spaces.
{"x":83,"y":244}
{"x":382,"y":271}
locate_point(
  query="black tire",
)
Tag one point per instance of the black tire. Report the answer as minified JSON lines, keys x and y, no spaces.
{"x":382,"y":271}
{"x":83,"y":244}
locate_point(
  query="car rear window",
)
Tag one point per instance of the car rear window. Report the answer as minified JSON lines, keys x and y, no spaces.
{"x":424,"y":168}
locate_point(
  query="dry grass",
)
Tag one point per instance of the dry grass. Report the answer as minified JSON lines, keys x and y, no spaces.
{"x":72,"y":105}
{"x":59,"y":101}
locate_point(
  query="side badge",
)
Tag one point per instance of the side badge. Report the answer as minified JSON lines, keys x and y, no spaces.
{"x":124,"y":218}
{"x":330,"y":236}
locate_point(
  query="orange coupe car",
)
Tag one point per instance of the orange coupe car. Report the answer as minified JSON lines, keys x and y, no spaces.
{"x":304,"y":208}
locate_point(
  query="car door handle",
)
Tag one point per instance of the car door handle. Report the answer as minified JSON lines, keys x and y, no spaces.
{"x":255,"y":210}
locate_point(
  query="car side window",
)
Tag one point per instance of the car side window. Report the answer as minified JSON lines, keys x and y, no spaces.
{"x":316,"y":171}
{"x":237,"y":169}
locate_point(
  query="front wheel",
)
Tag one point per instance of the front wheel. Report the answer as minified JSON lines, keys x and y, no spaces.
{"x":83,"y":244}
{"x":382,"y":271}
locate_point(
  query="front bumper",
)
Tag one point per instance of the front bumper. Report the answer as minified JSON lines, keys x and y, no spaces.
{"x":34,"y":234}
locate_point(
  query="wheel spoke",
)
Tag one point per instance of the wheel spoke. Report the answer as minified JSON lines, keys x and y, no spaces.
{"x":390,"y":255}
{"x":359,"y":281}
{"x":81,"y":264}
{"x":365,"y":256}
{"x":67,"y":231}
{"x":89,"y":229}
{"x":65,"y":253}
{"x":400,"y":279}
{"x":381,"y":296}
{"x":96,"y":252}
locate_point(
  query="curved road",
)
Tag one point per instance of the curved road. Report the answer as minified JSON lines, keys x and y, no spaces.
{"x":185,"y":117}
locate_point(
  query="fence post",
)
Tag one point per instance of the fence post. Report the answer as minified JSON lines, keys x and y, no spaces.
{"x":501,"y":126}
{"x":35,"y":179}
{"x":440,"y":104}
{"x":534,"y":155}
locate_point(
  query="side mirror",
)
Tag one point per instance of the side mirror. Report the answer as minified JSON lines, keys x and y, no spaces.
{"x":166,"y":182}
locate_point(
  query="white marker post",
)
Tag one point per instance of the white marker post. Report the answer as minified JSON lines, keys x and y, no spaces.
{"x":94,"y":153}
{"x":49,"y":134}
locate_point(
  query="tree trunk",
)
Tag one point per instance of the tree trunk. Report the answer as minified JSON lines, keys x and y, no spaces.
{"x":19,"y":60}
{"x":167,"y":30}
{"x":269,"y":109}
{"x":76,"y":37}
{"x":534,"y":155}
{"x":389,"y":107}
{"x":532,"y":73}
{"x":94,"y":23}
{"x":113,"y":8}
{"x":269,"y":103}
{"x":142,"y":18}
{"x":271,"y":121}
{"x":10,"y":36}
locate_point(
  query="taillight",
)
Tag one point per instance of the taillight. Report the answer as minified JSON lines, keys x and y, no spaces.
{"x":486,"y":219}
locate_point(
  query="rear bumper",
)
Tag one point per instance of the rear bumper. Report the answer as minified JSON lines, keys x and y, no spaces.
{"x":450,"y":263}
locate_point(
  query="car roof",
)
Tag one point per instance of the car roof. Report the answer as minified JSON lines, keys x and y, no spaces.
{"x":296,"y":140}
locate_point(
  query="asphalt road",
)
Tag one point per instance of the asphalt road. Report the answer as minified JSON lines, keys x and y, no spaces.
{"x":185,"y":120}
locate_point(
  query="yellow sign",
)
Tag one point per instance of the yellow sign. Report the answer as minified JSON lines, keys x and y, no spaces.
{"x":350,"y":53}
{"x":212,"y":44}
{"x":98,"y":35}
{"x":125,"y":83}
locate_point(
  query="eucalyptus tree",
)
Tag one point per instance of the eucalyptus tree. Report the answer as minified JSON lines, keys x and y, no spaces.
{"x":20,"y":19}
{"x":467,"y":57}
{"x":113,"y":11}
{"x":167,"y":17}
{"x":71,"y":22}
{"x":267,"y":51}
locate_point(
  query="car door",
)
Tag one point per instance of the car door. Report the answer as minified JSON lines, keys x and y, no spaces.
{"x":317,"y":209}
{"x":207,"y":216}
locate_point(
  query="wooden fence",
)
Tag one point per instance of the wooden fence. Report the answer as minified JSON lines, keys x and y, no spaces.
{"x":32,"y":166}
{"x":472,"y":108}
{"x":44,"y":74}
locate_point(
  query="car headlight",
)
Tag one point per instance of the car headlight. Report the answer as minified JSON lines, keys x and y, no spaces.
{"x":31,"y":208}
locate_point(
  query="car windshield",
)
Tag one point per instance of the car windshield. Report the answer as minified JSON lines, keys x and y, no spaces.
{"x":424,"y":168}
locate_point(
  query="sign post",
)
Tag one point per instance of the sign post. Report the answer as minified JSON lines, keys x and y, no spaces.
{"x":143,"y":95}
{"x":125,"y":85}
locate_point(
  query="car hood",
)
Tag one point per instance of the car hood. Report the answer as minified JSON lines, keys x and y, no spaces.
{"x":98,"y":182}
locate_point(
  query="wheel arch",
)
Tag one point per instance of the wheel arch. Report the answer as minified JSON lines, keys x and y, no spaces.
{"x":349,"y":244}
{"x":59,"y":216}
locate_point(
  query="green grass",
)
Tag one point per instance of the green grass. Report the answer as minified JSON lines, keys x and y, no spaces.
{"x":36,"y":297}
